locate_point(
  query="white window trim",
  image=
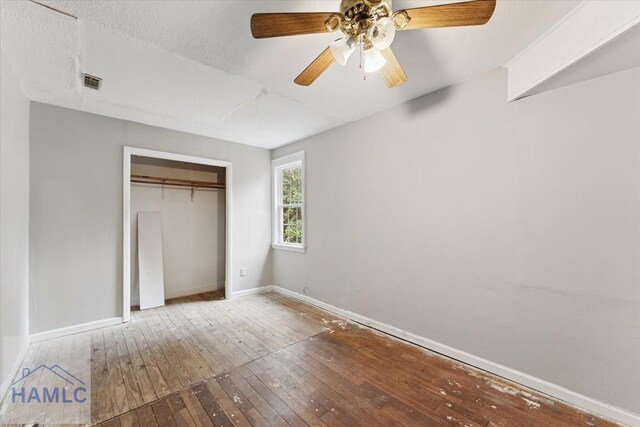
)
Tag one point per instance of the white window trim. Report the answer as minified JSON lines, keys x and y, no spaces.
{"x":276,"y":165}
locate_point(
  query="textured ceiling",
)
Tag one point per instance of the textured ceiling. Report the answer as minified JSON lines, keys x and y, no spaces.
{"x":193,"y":65}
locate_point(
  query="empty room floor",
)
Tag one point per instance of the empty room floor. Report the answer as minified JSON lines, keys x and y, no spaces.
{"x":272,"y":360}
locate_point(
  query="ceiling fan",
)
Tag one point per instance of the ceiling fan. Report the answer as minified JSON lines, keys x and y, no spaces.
{"x":370,"y":26}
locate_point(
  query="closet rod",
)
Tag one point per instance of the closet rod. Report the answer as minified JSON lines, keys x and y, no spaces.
{"x":177,"y":185}
{"x":143,"y":179}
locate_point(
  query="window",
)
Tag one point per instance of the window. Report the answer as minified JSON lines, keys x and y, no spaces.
{"x":288,"y":203}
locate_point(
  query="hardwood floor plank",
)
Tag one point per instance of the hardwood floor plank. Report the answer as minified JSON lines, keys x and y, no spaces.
{"x":242,"y":402}
{"x":130,"y":419}
{"x":169,"y":347}
{"x":163,"y":413}
{"x":268,"y":323}
{"x":197,"y":412}
{"x":115,"y":377}
{"x":262,"y":406}
{"x":180,"y":411}
{"x":216,"y":355}
{"x":233,"y":352}
{"x":166,"y":368}
{"x":234,"y":414}
{"x":134,"y":395}
{"x":158,"y":381}
{"x":79,"y":364}
{"x":176,"y":316}
{"x":146,"y":416}
{"x":211,"y":406}
{"x":192,"y":352}
{"x":310,"y":412}
{"x":53,"y":411}
{"x":101,"y":402}
{"x":114,"y":422}
{"x":141,"y":372}
{"x":276,"y":403}
{"x":347,"y":391}
{"x":331,"y":399}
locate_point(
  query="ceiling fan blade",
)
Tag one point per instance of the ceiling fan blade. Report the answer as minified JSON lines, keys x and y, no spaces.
{"x":317,"y":67}
{"x":476,"y":12}
{"x":392,"y":72}
{"x":265,"y":25}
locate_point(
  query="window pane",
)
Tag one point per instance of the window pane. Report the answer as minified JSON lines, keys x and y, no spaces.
{"x":298,"y":233}
{"x":296,"y":185}
{"x":292,"y":185}
{"x":286,"y":186}
{"x":292,"y":224}
{"x":285,"y":234}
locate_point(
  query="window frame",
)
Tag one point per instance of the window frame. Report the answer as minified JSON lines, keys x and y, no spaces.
{"x":277,"y":166}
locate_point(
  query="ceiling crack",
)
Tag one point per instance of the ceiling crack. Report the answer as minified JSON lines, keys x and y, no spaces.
{"x":54,"y":9}
{"x":239,"y":106}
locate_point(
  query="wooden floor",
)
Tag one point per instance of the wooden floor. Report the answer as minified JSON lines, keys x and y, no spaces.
{"x":271,"y":360}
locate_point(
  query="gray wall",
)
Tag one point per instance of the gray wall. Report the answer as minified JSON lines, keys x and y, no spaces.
{"x":14,"y":221}
{"x":508,"y":230}
{"x":76,"y":211}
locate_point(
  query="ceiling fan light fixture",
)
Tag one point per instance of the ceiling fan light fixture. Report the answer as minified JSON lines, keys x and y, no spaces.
{"x":343,"y":48}
{"x":373,"y":60}
{"x":382,"y":33}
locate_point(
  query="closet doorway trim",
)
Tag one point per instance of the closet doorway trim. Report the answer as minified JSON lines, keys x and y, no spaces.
{"x":126,"y":212}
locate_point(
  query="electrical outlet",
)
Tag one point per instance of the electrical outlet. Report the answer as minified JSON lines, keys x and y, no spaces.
{"x":243,"y":272}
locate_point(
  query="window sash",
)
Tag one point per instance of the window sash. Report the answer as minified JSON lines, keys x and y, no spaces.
{"x":283,"y":225}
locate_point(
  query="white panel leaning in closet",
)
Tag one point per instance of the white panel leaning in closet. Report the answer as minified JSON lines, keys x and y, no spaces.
{"x":150,"y":268}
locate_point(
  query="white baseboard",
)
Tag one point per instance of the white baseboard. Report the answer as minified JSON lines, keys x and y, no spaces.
{"x":83,"y":327}
{"x":69,"y":330}
{"x":253,"y":291}
{"x":17,"y":364}
{"x":558,"y":392}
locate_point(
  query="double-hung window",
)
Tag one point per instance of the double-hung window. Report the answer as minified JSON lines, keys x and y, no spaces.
{"x":288,"y":203}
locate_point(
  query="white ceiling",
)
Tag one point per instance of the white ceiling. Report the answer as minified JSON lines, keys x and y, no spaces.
{"x":193,"y":65}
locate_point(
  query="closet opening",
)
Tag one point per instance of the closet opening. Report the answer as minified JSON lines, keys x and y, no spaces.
{"x":176,"y":228}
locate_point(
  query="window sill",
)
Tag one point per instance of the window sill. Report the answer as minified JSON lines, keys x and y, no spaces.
{"x":290,"y":248}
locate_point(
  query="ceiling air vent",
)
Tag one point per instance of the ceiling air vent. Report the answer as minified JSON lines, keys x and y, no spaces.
{"x":92,"y":82}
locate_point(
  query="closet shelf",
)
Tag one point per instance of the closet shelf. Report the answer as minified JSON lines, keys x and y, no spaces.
{"x":143,"y":179}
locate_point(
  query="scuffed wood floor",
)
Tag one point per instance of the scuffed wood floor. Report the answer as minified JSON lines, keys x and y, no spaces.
{"x":272,"y":360}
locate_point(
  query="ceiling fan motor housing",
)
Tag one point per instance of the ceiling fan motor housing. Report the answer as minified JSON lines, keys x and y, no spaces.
{"x":360,"y":15}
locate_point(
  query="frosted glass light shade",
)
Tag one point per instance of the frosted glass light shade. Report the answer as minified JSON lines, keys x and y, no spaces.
{"x":373,"y":60}
{"x":342,"y":49}
{"x":381,"y":34}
